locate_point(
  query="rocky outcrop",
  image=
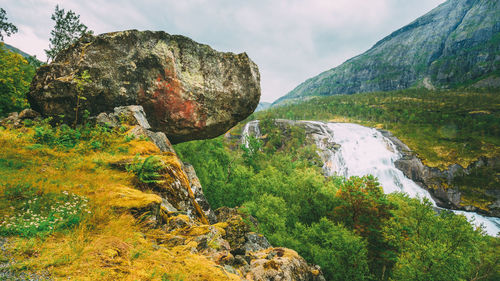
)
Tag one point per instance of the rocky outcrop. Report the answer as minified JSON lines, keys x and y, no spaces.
{"x":448,"y":187}
{"x":15,"y":119}
{"x":179,"y":208}
{"x":454,"y":44}
{"x":280,"y":264}
{"x":188,"y":90}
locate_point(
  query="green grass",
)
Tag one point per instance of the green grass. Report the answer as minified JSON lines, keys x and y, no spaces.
{"x":36,"y":213}
{"x":442,"y":127}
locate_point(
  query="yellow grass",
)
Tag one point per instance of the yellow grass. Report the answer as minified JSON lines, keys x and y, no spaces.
{"x":110,"y":244}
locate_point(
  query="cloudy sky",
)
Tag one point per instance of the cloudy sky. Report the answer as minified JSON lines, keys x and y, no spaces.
{"x":290,"y":40}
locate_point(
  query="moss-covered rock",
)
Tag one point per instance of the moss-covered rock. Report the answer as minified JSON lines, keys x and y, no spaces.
{"x":188,"y":90}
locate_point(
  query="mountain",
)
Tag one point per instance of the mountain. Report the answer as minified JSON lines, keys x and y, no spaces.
{"x":455,"y":44}
{"x":32,"y":60}
{"x":263,"y":106}
{"x":16,"y":50}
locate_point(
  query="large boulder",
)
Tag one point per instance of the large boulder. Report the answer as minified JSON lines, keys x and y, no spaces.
{"x":188,"y":90}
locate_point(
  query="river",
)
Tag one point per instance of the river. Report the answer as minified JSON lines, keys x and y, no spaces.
{"x":365,"y":151}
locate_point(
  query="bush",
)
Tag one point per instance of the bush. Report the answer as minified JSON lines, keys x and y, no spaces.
{"x":63,"y":136}
{"x":148,"y":170}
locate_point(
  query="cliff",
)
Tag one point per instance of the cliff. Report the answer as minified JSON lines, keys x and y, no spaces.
{"x":455,"y":44}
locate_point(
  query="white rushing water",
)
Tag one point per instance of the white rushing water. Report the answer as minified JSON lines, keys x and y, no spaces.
{"x":366,"y":151}
{"x":251,"y":129}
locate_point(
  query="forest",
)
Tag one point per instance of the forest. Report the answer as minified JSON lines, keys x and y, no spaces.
{"x":348,"y":226}
{"x":464,"y":122}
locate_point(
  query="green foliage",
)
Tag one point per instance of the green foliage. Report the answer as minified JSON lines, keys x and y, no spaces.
{"x":341,"y":253}
{"x":251,"y":150}
{"x":288,"y":138}
{"x":148,"y":170}
{"x":37,"y":213}
{"x":81,"y":81}
{"x":214,"y":167}
{"x":364,"y":208}
{"x":431,"y":246}
{"x":84,"y":137}
{"x":272,"y":213}
{"x":6,"y":27}
{"x":67,"y":30}
{"x":347,"y":226}
{"x":15,"y":77}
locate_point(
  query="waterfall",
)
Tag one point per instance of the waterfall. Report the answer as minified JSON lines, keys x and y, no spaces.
{"x":365,"y":151}
{"x":250,"y":129}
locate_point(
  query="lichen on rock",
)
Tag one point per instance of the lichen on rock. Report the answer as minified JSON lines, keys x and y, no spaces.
{"x":188,"y":90}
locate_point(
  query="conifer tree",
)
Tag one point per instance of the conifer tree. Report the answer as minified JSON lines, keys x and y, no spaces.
{"x":67,"y":30}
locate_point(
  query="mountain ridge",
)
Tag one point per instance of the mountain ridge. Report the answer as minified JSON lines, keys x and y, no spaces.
{"x":452,"y":45}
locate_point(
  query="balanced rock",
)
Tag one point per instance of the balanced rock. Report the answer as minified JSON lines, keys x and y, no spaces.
{"x":188,"y":90}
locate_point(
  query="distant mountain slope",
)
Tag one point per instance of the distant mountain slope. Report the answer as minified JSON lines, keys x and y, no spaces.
{"x":457,"y":43}
{"x":16,"y":50}
{"x":263,"y":106}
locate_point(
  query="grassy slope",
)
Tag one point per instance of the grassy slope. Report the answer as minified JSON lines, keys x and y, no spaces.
{"x":442,"y":127}
{"x":110,"y":244}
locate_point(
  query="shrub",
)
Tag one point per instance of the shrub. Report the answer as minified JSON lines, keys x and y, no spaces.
{"x":148,"y":170}
{"x":85,"y":137}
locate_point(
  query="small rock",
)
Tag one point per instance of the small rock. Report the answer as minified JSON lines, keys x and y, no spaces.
{"x":28,"y":114}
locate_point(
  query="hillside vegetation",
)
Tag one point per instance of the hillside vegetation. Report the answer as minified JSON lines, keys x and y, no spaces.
{"x":68,"y":214}
{"x":16,"y":73}
{"x":442,"y":127}
{"x":347,"y":226}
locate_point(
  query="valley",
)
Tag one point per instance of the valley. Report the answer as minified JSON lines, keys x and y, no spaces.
{"x":137,"y":154}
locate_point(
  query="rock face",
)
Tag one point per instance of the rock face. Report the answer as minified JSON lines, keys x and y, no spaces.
{"x":474,"y":188}
{"x":454,"y":44}
{"x":176,"y":205}
{"x":444,"y":185}
{"x":188,"y":90}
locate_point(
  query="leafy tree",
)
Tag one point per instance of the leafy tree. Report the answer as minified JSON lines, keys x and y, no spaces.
{"x":272,"y":213}
{"x":67,"y":30}
{"x":342,"y":254}
{"x":487,"y":266}
{"x":15,"y":78}
{"x":364,"y":208}
{"x":432,"y":246}
{"x":5,"y":26}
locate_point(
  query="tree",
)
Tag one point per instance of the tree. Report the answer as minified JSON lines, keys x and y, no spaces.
{"x":15,"y":78}
{"x":341,"y":253}
{"x":67,"y":30}
{"x":434,"y":246}
{"x":364,"y":208}
{"x":6,"y":27}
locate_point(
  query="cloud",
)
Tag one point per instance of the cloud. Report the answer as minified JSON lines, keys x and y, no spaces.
{"x":290,"y":40}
